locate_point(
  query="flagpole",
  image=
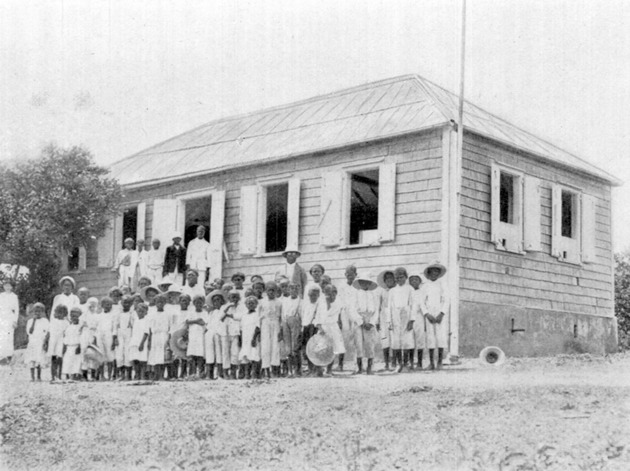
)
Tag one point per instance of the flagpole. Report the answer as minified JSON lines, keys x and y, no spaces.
{"x":455,"y":179}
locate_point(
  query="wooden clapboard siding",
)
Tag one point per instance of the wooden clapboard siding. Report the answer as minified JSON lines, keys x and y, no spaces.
{"x":418,"y":206}
{"x":536,"y":279}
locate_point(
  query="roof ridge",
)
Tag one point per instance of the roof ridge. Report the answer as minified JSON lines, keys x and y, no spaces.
{"x":313,"y":99}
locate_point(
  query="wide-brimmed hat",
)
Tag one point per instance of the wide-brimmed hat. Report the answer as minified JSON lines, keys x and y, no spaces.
{"x":216,"y":292}
{"x":291,"y":248}
{"x":174,"y":289}
{"x":179,"y":342}
{"x":67,"y":278}
{"x":437,"y":265}
{"x":143,"y":291}
{"x":319,"y":350}
{"x":94,"y":354}
{"x":163,"y":286}
{"x":380,"y":279}
{"x":364,"y":277}
{"x":492,"y":356}
{"x":176,"y":235}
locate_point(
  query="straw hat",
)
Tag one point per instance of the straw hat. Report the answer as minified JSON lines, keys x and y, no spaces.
{"x":364,"y":277}
{"x":291,"y":248}
{"x":68,"y":278}
{"x":179,"y":342}
{"x":143,"y":291}
{"x":163,"y":286}
{"x":319,"y":350}
{"x":176,"y":235}
{"x":437,"y":265}
{"x":174,"y":289}
{"x":492,"y":356}
{"x":93,"y":353}
{"x":380,"y":279}
{"x":216,"y":292}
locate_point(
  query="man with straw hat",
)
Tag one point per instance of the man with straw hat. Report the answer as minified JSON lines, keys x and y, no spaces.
{"x":292,"y":270}
{"x":366,"y":307}
{"x":434,"y":303}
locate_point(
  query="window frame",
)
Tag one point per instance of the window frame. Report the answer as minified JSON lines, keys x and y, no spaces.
{"x":567,"y":249}
{"x":262,"y":216}
{"x":501,"y":231}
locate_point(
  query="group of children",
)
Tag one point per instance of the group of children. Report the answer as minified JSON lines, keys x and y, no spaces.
{"x":227,"y":330}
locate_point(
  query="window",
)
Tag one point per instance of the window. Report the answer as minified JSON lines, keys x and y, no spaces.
{"x":130,"y":223}
{"x":364,"y":207}
{"x":358,"y":206}
{"x":507,"y":209}
{"x":568,"y":214}
{"x":276,"y":207}
{"x":506,"y":195}
{"x":73,"y":259}
{"x":269,"y":217}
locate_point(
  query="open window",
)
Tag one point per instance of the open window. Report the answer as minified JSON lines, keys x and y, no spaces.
{"x":269,"y":217}
{"x":358,"y":206}
{"x":73,"y":260}
{"x":507,"y":209}
{"x":573,"y":225}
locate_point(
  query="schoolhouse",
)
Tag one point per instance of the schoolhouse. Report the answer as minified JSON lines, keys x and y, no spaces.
{"x":371,"y":176}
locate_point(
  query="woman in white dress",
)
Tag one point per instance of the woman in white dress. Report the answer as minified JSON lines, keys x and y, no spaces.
{"x":9,"y":313}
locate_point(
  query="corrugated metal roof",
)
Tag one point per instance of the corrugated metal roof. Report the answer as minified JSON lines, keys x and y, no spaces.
{"x":388,"y":108}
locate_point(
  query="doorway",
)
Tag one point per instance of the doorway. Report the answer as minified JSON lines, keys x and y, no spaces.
{"x":196,"y":213}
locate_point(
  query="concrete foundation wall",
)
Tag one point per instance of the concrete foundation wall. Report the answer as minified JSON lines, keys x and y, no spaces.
{"x":545,"y":332}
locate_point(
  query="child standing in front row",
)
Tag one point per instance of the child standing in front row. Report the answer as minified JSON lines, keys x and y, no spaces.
{"x":434,"y":303}
{"x":178,"y":322}
{"x":399,"y":303}
{"x":270,"y":333}
{"x":419,"y":330}
{"x":196,"y":331}
{"x":138,"y":351}
{"x":308,"y":313}
{"x":214,"y":326}
{"x":292,"y":329}
{"x":105,"y":338}
{"x":122,"y":331}
{"x":250,"y":351}
{"x":72,"y":346}
{"x":37,"y":329}
{"x":58,"y":325}
{"x":159,"y":326}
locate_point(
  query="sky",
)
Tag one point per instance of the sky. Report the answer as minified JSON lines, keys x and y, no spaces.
{"x":120,"y":76}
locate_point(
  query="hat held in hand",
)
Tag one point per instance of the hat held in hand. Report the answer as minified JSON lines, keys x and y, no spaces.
{"x":319,"y":350}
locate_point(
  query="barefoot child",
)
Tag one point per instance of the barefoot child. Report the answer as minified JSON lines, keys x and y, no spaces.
{"x":72,"y":346}
{"x":213,"y":336}
{"x":309,"y":311}
{"x":434,"y":303}
{"x":58,"y":325}
{"x":138,"y":351}
{"x":230,"y":331}
{"x":178,"y":322}
{"x":327,"y":321}
{"x":105,"y":338}
{"x":292,"y":329}
{"x":419,"y":329}
{"x":366,"y":306}
{"x":37,"y":330}
{"x":386,"y":281}
{"x":270,"y":333}
{"x":159,"y":326}
{"x":250,"y":351}
{"x":88,"y":337}
{"x":196,"y":341}
{"x":399,"y":303}
{"x":122,"y":331}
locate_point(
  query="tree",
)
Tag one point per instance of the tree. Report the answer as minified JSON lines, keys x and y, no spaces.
{"x":49,"y":206}
{"x":622,"y":298}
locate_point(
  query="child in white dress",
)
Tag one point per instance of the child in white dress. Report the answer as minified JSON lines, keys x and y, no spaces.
{"x":400,"y":302}
{"x":434,"y":304}
{"x":212,"y":338}
{"x":270,"y":333}
{"x":230,"y":332}
{"x":72,"y":346}
{"x":89,"y":320}
{"x":327,"y":322}
{"x":309,"y":311}
{"x":196,"y":341}
{"x":250,"y":350}
{"x":105,"y":338}
{"x":159,"y":325}
{"x":37,"y":329}
{"x":138,"y":350}
{"x":419,"y":329}
{"x":178,"y":322}
{"x":58,"y":325}
{"x":122,"y":330}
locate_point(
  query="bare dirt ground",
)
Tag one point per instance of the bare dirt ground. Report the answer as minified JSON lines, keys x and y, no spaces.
{"x":567,"y":412}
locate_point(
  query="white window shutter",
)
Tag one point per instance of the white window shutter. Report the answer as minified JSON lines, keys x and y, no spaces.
{"x":387,"y":202}
{"x":588,"y":229}
{"x":217,"y":222}
{"x":63,"y":259}
{"x":248,"y":224}
{"x":495,"y":205}
{"x":141,"y":222}
{"x":531,"y":215}
{"x":164,"y":220}
{"x":293,"y":213}
{"x":556,"y":221}
{"x":105,"y":247}
{"x":330,"y":230}
{"x":82,"y":259}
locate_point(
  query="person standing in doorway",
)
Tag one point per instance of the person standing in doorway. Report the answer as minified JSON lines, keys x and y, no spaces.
{"x":198,"y":255}
{"x":175,"y":261}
